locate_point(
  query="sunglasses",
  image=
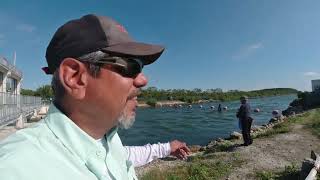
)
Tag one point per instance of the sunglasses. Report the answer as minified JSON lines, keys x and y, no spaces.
{"x":127,"y":67}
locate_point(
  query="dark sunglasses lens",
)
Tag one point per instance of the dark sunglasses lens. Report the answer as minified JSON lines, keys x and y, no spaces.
{"x":133,"y":69}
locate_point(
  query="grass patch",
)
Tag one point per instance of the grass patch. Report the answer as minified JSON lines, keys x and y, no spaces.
{"x":289,"y":173}
{"x":313,"y":122}
{"x":315,"y":128}
{"x":220,"y":147}
{"x":277,"y":129}
{"x":194,"y":171}
{"x":265,"y":175}
{"x":198,"y":168}
{"x":310,"y":119}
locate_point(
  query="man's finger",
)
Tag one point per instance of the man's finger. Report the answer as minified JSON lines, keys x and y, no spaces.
{"x":183,"y":152}
{"x":186,"y":149}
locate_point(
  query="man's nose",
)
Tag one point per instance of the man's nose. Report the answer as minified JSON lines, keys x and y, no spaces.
{"x":140,"y":81}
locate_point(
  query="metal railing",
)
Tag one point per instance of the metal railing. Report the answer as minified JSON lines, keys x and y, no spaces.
{"x":14,"y":105}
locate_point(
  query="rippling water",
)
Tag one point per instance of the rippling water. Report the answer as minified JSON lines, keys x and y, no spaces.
{"x":196,"y":125}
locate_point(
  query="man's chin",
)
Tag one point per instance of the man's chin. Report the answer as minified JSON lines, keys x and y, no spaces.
{"x":126,"y":123}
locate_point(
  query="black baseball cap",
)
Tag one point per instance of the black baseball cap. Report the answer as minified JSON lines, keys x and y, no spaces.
{"x":93,"y":33}
{"x":244,"y":98}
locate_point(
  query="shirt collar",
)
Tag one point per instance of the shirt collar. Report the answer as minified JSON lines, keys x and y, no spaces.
{"x":77,"y":141}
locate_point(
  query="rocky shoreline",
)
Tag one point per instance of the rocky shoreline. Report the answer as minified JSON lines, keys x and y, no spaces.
{"x":162,"y":103}
{"x":170,"y":103}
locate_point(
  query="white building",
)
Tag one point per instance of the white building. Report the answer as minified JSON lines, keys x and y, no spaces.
{"x":10,"y":78}
{"x":315,"y":85}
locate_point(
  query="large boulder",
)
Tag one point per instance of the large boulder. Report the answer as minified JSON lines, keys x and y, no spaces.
{"x":292,"y":110}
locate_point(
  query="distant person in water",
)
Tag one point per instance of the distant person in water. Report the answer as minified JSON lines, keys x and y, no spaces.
{"x":219,"y":108}
{"x":245,"y":120}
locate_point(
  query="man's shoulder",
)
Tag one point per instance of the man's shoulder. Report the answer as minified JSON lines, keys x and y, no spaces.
{"x":246,"y":105}
{"x":25,"y":152}
{"x":23,"y":144}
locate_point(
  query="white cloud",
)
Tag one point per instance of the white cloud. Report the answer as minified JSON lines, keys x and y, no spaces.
{"x":311,"y":74}
{"x":26,"y":28}
{"x":247,"y":50}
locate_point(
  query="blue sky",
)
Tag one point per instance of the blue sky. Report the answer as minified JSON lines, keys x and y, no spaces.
{"x":210,"y":43}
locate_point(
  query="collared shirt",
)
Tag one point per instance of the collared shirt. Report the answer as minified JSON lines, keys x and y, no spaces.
{"x":56,"y":148}
{"x":141,"y":155}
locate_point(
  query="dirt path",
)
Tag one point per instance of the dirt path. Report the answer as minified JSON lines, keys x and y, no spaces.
{"x":276,"y":152}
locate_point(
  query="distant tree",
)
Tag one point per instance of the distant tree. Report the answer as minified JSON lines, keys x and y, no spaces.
{"x":27,"y":92}
{"x":197,"y":90}
{"x":197,"y":94}
{"x":45,"y":92}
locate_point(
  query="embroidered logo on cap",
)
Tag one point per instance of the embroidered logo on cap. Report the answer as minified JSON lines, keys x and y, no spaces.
{"x":121,"y":28}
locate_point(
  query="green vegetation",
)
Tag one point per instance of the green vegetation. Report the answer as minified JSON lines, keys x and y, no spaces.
{"x":45,"y":92}
{"x":151,"y":95}
{"x":27,"y":92}
{"x":198,"y":168}
{"x":277,"y":129}
{"x":310,"y":119}
{"x":191,"y":96}
{"x":221,"y":147}
{"x":152,"y":102}
{"x":290,"y":173}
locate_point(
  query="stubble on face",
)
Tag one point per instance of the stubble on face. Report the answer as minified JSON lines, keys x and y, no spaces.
{"x":128,"y":115}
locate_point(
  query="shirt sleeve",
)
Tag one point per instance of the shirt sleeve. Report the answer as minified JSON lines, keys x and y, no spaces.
{"x":141,"y":155}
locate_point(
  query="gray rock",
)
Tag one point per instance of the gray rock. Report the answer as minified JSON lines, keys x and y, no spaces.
{"x":220,"y":140}
{"x":273,"y":120}
{"x":235,"y":135}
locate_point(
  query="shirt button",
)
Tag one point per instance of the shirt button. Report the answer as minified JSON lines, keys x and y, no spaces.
{"x":99,"y":153}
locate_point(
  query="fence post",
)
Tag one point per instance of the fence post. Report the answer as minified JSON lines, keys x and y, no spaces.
{"x":20,"y":121}
{"x":310,"y":167}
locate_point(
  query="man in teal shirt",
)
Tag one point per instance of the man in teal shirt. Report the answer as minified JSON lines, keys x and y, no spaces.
{"x":97,"y":76}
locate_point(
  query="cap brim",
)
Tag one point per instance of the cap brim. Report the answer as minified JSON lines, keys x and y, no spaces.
{"x":148,"y":53}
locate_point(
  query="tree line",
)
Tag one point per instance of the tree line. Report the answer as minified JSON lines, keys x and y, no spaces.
{"x":151,"y":95}
{"x":45,"y":92}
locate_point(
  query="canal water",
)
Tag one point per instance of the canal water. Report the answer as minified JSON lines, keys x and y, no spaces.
{"x":196,"y":125}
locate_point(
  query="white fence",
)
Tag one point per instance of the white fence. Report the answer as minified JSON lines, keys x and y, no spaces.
{"x":13,"y":105}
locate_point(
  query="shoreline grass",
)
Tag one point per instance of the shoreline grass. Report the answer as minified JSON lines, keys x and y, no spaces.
{"x":210,"y":166}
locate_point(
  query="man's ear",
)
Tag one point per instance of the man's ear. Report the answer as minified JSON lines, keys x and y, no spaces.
{"x":74,"y":77}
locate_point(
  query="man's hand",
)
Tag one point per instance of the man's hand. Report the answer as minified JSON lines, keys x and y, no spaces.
{"x":179,"y":149}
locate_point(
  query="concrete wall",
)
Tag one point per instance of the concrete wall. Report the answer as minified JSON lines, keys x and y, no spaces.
{"x":315,"y":85}
{"x":312,"y":99}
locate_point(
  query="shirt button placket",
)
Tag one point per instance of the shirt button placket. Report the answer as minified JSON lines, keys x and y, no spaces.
{"x":99,"y":154}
